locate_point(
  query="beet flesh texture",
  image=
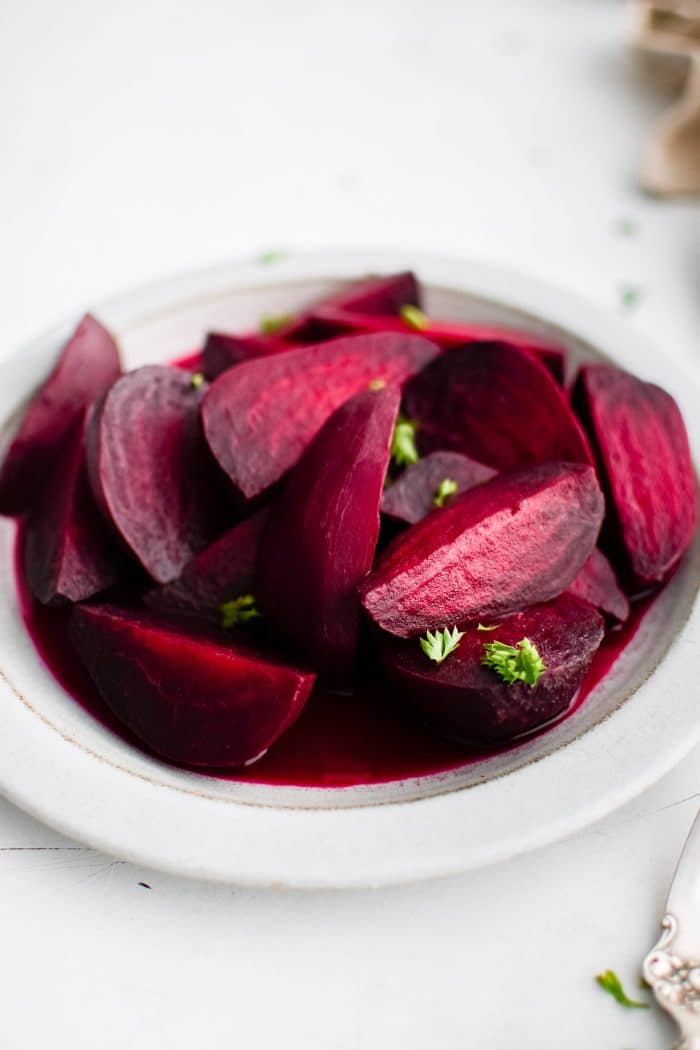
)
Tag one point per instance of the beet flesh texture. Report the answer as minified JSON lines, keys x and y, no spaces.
{"x":497,"y":404}
{"x":463,"y":699}
{"x":87,"y":365}
{"x":511,"y":542}
{"x":411,"y":496}
{"x":597,"y":584}
{"x":260,"y":416}
{"x":222,"y":571}
{"x":150,"y":469}
{"x":189,"y":694}
{"x":321,"y":534}
{"x":642,"y":446}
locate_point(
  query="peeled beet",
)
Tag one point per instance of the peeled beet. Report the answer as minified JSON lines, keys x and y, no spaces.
{"x":260,"y":416}
{"x":642,"y":444}
{"x":412,"y":495}
{"x":463,"y":699}
{"x":322,"y":532}
{"x":513,"y":541}
{"x":376,"y":295}
{"x":87,"y":365}
{"x":150,"y":470}
{"x":497,"y":404}
{"x":221,"y":572}
{"x":191,"y":696}
{"x":222,"y":351}
{"x":596,"y":583}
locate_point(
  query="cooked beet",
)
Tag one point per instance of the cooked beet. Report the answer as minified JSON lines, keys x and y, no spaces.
{"x":376,"y":295}
{"x":87,"y":365}
{"x":222,"y":351}
{"x":412,"y":495}
{"x":190,"y":695}
{"x":497,"y":404}
{"x":150,"y":469}
{"x":518,"y":539}
{"x":596,"y":583}
{"x":69,"y":554}
{"x":221,"y":572}
{"x":464,"y":699}
{"x":642,"y":445}
{"x":322,"y":532}
{"x":260,"y":416}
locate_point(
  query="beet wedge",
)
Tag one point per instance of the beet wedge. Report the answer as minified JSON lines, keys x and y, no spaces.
{"x":642,"y":445}
{"x":461,"y":698}
{"x":221,"y":572}
{"x":497,"y":404}
{"x":260,"y":416}
{"x":597,"y":584}
{"x":87,"y":365}
{"x":222,"y":351}
{"x":189,"y":694}
{"x":150,"y":469}
{"x":322,"y":532}
{"x":414,"y":493}
{"x":509,"y":543}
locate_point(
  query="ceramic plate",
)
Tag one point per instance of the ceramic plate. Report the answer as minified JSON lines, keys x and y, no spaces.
{"x":65,"y":768}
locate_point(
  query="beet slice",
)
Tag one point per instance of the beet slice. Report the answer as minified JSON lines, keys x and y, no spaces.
{"x":188,"y":694}
{"x":376,"y":295}
{"x":642,"y":445}
{"x":463,"y":699}
{"x":150,"y":469}
{"x":597,"y":584}
{"x":412,"y":495}
{"x":497,"y":404}
{"x":87,"y":365}
{"x":509,"y":543}
{"x":219,"y":573}
{"x":322,"y":533}
{"x":260,"y":416}
{"x":222,"y":351}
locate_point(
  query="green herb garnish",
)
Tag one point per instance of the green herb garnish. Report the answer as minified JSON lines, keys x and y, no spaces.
{"x":268,"y":258}
{"x":271,"y":324}
{"x":238,"y":610}
{"x":483,"y":627}
{"x":197,"y":380}
{"x":611,"y":983}
{"x":630,"y":296}
{"x":414,"y":317}
{"x":403,"y":443}
{"x":439,"y":644}
{"x":376,"y":384}
{"x":445,"y":489}
{"x":514,"y":663}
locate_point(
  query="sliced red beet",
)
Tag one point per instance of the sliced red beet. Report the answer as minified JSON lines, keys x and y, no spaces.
{"x":322,"y":532}
{"x":376,"y":295}
{"x":642,"y":444}
{"x":509,"y":543}
{"x":222,"y":351}
{"x":413,"y":494}
{"x":260,"y":416}
{"x":221,"y":572}
{"x":150,"y":469}
{"x":87,"y":365}
{"x":497,"y":404}
{"x":596,"y":583}
{"x":464,"y":699}
{"x":190,"y":695}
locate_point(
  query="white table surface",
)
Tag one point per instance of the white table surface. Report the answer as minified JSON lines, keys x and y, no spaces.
{"x":140,"y":138}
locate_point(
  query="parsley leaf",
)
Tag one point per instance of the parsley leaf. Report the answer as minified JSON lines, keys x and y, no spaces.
{"x":271,"y":324}
{"x":514,"y":663}
{"x":238,"y":610}
{"x":611,"y":983}
{"x":439,"y":644}
{"x":273,"y":256}
{"x":445,"y":489}
{"x":483,"y":627}
{"x":414,"y":317}
{"x":403,"y":443}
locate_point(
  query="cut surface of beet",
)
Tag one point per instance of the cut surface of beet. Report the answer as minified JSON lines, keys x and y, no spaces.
{"x":466,"y":700}
{"x":518,"y":539}
{"x":260,"y":416}
{"x":641,"y":440}
{"x":413,"y":494}
{"x":87,"y":365}
{"x":321,"y":534}
{"x":596,"y":583}
{"x":497,"y":404}
{"x":191,"y":696}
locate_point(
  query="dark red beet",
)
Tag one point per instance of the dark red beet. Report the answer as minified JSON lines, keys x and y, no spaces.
{"x":222,"y":351}
{"x":596,"y":583}
{"x":322,"y":533}
{"x":376,"y":295}
{"x":496,"y":404}
{"x":463,"y":699}
{"x":150,"y":470}
{"x":68,"y":552}
{"x":260,"y":416}
{"x":643,"y":450}
{"x":191,"y":696}
{"x":87,"y":365}
{"x":513,"y":541}
{"x":412,"y":496}
{"x":221,"y":572}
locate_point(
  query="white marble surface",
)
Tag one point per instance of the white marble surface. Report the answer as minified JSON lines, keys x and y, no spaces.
{"x":142,"y":138}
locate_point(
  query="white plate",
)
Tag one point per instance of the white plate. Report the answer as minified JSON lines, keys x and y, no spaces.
{"x":63,"y":767}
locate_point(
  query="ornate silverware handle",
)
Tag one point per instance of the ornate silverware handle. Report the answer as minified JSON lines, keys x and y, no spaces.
{"x":675,"y":981}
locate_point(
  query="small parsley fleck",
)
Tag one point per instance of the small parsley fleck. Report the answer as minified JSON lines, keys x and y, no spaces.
{"x":626,"y":227}
{"x":197,"y":380}
{"x":611,"y":983}
{"x":630,"y":296}
{"x":439,"y":644}
{"x":376,"y":384}
{"x":484,"y":627}
{"x":273,"y":256}
{"x":445,"y":489}
{"x":403,"y":443}
{"x":271,"y":324}
{"x":238,"y":610}
{"x":514,"y":663}
{"x":414,"y":317}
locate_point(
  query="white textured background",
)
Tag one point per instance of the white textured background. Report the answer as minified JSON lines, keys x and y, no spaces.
{"x":139,"y":138}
